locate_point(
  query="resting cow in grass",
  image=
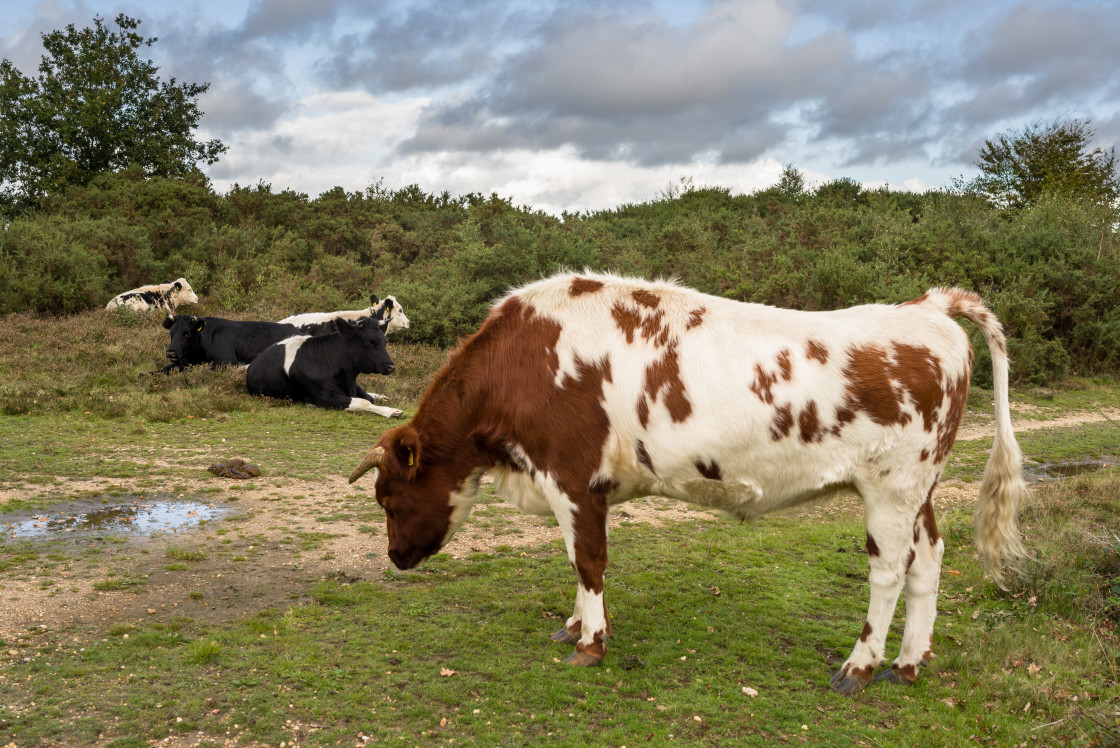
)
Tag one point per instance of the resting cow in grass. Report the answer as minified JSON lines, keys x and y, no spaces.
{"x":388,"y":313}
{"x":165,"y":296}
{"x":582,"y":391}
{"x":323,"y":370}
{"x":219,"y":342}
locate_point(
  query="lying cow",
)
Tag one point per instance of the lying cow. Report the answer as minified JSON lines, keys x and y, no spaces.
{"x":165,"y":296}
{"x":743,"y":407}
{"x":388,"y":313}
{"x":219,"y":342}
{"x":322,"y":370}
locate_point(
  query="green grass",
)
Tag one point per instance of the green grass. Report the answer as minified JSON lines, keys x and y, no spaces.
{"x":700,"y":611}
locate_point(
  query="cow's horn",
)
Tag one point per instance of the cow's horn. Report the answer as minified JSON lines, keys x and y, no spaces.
{"x":371,"y":460}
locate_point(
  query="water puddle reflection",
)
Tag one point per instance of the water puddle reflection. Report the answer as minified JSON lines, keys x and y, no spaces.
{"x":124,"y":516}
{"x":1059,"y":470}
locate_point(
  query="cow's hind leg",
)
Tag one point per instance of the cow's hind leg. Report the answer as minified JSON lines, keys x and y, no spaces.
{"x":922,"y":578}
{"x":585,"y":536}
{"x":888,"y":541}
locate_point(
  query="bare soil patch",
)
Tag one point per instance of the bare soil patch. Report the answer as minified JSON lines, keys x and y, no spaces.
{"x":265,"y":553}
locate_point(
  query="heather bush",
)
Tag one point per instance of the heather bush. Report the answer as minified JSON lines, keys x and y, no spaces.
{"x":1052,"y":272}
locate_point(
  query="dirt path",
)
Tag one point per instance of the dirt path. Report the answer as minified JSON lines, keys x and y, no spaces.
{"x":268,"y":552}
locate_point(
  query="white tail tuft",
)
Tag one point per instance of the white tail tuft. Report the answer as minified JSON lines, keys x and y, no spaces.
{"x":994,"y":524}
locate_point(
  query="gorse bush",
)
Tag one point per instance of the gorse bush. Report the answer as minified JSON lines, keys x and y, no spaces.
{"x":1051,"y":272}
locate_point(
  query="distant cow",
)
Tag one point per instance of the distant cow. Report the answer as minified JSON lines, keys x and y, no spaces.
{"x":388,"y":313}
{"x":165,"y":296}
{"x":582,"y":391}
{"x":322,"y":370}
{"x":219,"y":342}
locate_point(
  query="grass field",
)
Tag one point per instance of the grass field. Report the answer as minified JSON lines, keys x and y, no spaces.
{"x":724,"y":633}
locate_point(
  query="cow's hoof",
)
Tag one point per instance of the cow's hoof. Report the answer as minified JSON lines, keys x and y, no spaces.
{"x":396,"y":413}
{"x":580,"y":658}
{"x":563,"y":636}
{"x":848,"y":682}
{"x":897,"y":676}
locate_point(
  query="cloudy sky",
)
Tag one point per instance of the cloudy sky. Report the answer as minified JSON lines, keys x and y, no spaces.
{"x":581,"y":104}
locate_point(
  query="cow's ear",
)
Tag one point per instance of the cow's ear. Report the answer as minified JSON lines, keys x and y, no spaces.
{"x":168,"y":321}
{"x":407,"y":451}
{"x":373,"y":300}
{"x":178,"y":286}
{"x":199,"y":324}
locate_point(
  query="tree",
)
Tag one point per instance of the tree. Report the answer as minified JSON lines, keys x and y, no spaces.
{"x":1018,"y":167}
{"x":95,"y":107}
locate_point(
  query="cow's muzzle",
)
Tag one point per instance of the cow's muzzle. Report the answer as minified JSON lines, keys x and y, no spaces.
{"x":406,"y":560}
{"x":171,"y":355}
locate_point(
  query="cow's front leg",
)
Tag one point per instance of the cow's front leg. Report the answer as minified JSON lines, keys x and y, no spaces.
{"x":373,"y":397}
{"x":584,"y":527}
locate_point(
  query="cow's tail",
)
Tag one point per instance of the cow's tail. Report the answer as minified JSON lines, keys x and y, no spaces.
{"x":994,"y":524}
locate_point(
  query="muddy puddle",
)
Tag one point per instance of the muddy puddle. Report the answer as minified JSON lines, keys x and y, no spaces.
{"x":121,"y":515}
{"x":1059,"y":470}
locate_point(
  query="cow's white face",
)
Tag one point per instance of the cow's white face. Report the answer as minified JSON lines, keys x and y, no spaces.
{"x":185,"y":292}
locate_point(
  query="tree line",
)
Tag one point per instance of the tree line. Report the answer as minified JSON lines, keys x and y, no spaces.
{"x":1035,"y":233}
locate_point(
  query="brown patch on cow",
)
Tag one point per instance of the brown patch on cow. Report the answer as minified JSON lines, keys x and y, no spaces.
{"x":782,"y":422}
{"x":957,"y":394}
{"x":883,"y":383}
{"x":627,"y":320}
{"x":696,"y":317}
{"x":710,"y":470}
{"x":631,"y":321}
{"x":654,"y":331}
{"x":924,"y":455}
{"x":580,"y":286}
{"x":817,"y":352}
{"x":910,"y":556}
{"x":810,"y":424}
{"x":762,"y":384}
{"x":785,"y":365}
{"x":643,"y":456}
{"x":866,"y":633}
{"x":909,"y":672}
{"x":929,"y":523}
{"x":872,"y":546}
{"x":663,"y":382}
{"x":918,"y":300}
{"x":646,"y":298}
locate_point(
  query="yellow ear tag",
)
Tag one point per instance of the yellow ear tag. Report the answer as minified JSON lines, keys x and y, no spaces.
{"x":411,"y":460}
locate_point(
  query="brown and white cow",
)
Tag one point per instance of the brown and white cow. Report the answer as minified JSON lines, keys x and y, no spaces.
{"x":582,"y":391}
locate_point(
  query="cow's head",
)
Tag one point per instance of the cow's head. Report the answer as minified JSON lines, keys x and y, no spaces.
{"x":366,"y":344}
{"x":185,"y":292}
{"x":185,"y":347}
{"x":426,"y":497}
{"x":389,"y":314}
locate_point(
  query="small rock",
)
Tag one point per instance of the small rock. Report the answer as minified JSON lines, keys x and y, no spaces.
{"x":235,"y":468}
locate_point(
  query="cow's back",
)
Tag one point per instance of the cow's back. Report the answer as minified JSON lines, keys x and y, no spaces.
{"x":742,"y":406}
{"x":240,"y":342}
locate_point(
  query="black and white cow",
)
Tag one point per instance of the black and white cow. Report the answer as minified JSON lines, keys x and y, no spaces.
{"x":322,"y":370}
{"x":219,"y":342}
{"x":165,"y":296}
{"x":389,"y":314}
